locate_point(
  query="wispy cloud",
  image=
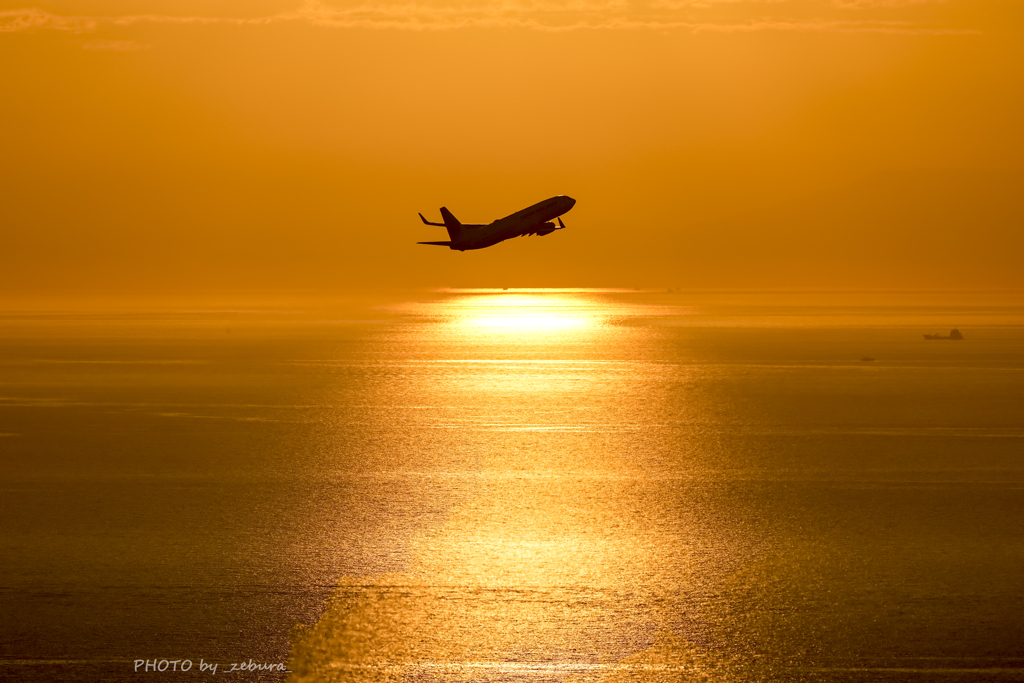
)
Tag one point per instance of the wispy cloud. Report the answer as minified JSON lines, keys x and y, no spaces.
{"x":865,"y":4}
{"x":543,"y":15}
{"x":31,"y":19}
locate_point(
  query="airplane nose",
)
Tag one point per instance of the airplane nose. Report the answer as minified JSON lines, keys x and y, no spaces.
{"x":571,"y":201}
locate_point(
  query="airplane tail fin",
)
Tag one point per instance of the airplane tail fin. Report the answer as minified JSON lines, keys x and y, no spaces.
{"x":452,"y":223}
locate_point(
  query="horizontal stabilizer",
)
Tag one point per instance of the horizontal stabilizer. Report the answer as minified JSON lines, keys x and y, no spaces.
{"x":440,"y":244}
{"x":429,"y":223}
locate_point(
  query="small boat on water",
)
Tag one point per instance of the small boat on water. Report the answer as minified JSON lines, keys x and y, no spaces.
{"x":953,"y":334}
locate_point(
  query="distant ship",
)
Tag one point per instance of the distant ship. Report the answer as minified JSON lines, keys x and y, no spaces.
{"x":953,"y":334}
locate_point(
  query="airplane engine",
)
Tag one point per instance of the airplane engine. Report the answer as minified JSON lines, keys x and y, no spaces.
{"x":546,"y":229}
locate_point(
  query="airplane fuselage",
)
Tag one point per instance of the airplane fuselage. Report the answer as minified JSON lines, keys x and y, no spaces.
{"x":533,"y":220}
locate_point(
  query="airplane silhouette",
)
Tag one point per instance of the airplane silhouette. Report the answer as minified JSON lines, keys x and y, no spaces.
{"x":535,"y":220}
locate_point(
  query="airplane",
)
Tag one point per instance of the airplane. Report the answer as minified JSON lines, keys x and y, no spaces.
{"x":535,"y":220}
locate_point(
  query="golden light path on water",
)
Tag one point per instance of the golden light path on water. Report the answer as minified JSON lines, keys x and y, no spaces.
{"x":571,"y":551}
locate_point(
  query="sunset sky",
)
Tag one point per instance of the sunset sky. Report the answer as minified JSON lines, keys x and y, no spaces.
{"x":186,"y":145}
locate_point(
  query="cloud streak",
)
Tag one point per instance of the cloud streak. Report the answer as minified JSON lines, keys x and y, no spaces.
{"x":867,"y":4}
{"x":32,"y":19}
{"x":540,"y":16}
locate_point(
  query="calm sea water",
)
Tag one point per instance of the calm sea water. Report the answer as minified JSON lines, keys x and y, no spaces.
{"x":536,"y":486}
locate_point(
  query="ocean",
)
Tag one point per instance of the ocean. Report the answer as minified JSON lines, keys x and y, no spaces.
{"x":535,"y":485}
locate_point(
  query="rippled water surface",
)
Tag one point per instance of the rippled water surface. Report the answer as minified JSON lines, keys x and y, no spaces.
{"x":524,"y":485}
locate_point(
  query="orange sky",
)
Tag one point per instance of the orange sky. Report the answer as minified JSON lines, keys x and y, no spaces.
{"x":219,"y":144}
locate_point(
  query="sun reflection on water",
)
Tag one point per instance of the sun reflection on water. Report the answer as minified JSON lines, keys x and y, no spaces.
{"x":522,"y":312}
{"x":552,"y":562}
{"x":520,"y":316}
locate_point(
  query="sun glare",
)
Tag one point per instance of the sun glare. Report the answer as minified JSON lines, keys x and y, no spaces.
{"x":523,"y":312}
